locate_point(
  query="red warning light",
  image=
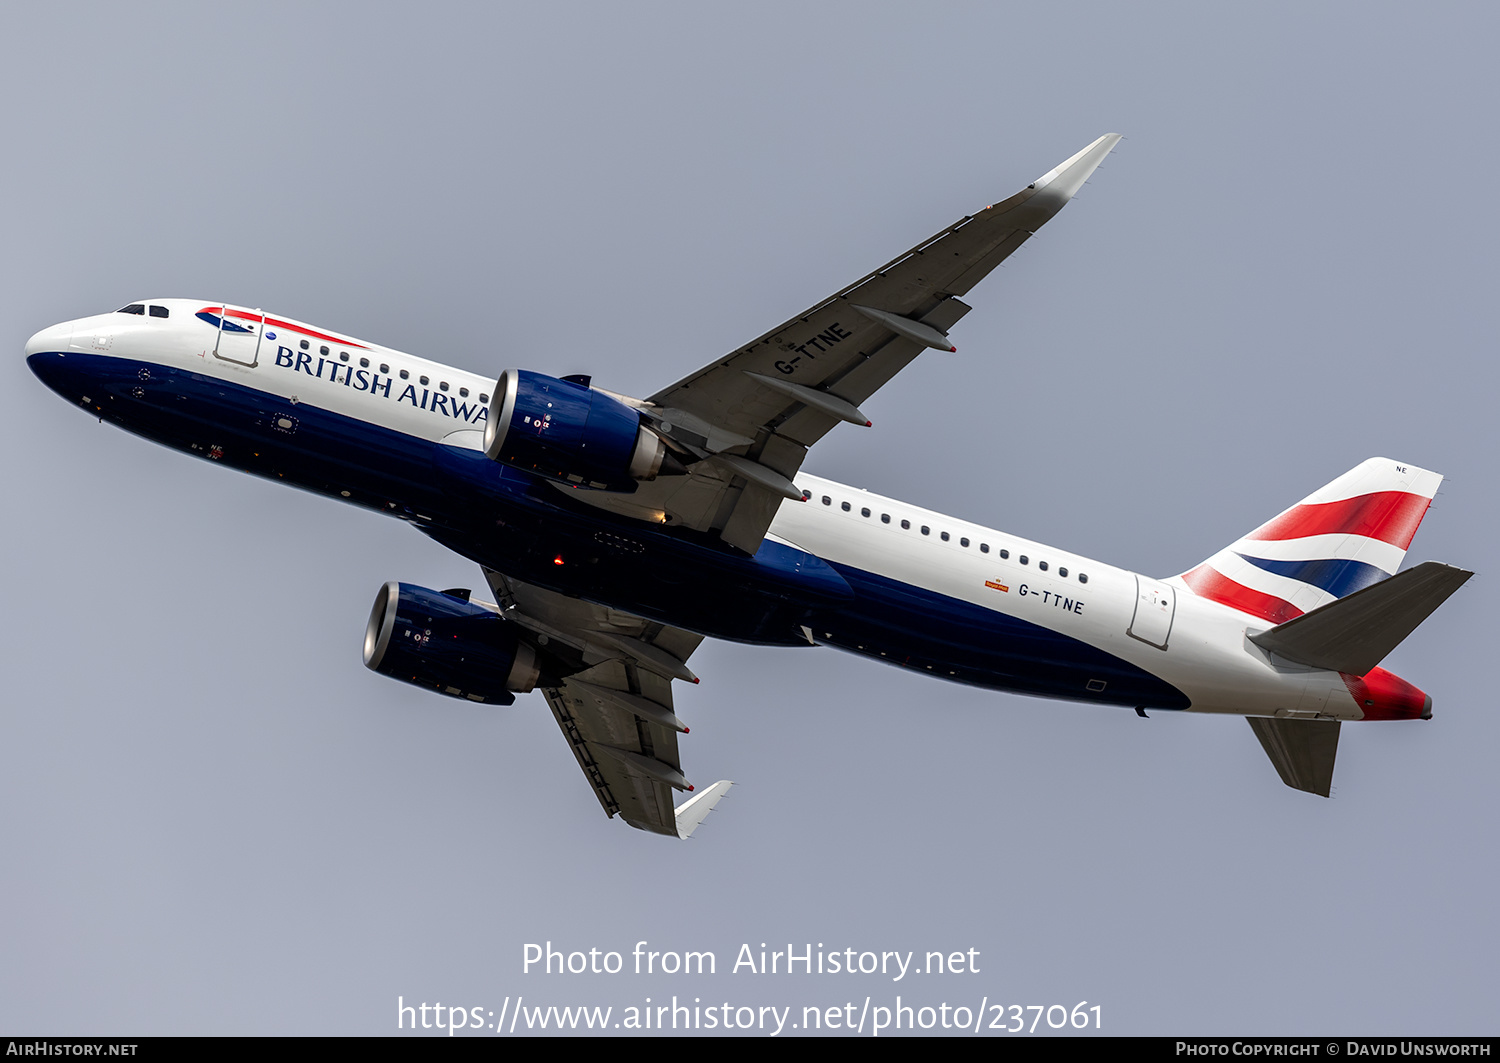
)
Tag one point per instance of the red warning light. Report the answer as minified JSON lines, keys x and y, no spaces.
{"x":557,"y":560}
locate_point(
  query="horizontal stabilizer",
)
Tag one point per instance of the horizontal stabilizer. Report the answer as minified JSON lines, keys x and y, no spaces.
{"x":1302,"y":750}
{"x":1354,"y":633}
{"x":695,"y":809}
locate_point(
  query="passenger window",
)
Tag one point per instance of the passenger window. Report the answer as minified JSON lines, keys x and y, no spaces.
{"x":844,"y":506}
{"x":865,"y":512}
{"x":827,"y":501}
{"x":806,"y":495}
{"x":885,"y":518}
{"x":323,"y":350}
{"x":1022,"y":559}
{"x":159,"y":311}
{"x":404,"y":374}
{"x":463,"y":393}
{"x":443,"y":385}
{"x":1063,"y":573}
{"x":1082,"y":578}
{"x":364,"y":363}
{"x":984,"y":548}
{"x":926,"y":530}
{"x":906,"y":524}
{"x":963,"y":542}
{"x":423,"y":381}
{"x":343,"y":355}
{"x":944,"y":536}
{"x":1005,"y":554}
{"x":1042,"y":565}
{"x":482,"y":398}
{"x":385,"y":369}
{"x":133,"y":308}
{"x":304,"y":345}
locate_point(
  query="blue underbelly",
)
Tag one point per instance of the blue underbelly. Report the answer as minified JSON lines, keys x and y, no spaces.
{"x":517,"y":524}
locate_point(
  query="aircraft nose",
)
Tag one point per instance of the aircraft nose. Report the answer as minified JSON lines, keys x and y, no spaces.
{"x":47,"y":356}
{"x":55,"y":338}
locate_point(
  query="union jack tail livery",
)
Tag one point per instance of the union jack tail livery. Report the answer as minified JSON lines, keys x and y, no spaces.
{"x":1341,"y":538}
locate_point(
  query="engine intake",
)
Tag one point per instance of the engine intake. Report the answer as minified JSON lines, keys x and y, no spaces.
{"x":567,"y":431}
{"x":446,"y":644}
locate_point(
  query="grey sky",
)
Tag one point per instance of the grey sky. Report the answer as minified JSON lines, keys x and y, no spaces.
{"x":215,"y":820}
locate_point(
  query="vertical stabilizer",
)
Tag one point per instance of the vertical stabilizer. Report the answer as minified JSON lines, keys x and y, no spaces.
{"x":1348,"y":535}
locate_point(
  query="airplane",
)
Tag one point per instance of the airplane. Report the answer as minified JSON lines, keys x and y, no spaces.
{"x":616,"y":533}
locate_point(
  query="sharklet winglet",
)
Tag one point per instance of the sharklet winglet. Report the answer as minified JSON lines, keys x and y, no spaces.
{"x":695,"y":809}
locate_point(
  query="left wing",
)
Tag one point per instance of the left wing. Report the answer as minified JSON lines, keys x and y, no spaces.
{"x":616,"y":711}
{"x":743,"y":424}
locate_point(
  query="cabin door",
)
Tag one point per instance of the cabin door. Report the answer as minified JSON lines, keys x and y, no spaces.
{"x":1155,"y":605}
{"x":239,"y":335}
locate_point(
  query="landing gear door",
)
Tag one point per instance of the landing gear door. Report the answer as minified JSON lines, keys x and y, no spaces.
{"x":1155,"y":605}
{"x":239,"y":334}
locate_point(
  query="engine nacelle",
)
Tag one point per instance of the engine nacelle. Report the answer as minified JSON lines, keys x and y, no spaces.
{"x":567,"y":431}
{"x":443,"y":643}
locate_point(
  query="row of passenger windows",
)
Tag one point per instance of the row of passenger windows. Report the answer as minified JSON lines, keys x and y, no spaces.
{"x":364,"y":363}
{"x":984,"y":548}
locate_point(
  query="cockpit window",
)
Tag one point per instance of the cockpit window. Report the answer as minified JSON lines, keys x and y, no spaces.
{"x":133,"y":308}
{"x":159,"y":311}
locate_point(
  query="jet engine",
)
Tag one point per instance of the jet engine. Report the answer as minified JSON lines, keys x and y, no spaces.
{"x":567,"y":431}
{"x":444,"y":643}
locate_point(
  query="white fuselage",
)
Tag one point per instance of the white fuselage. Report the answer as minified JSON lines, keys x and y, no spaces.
{"x":1197,"y":645}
